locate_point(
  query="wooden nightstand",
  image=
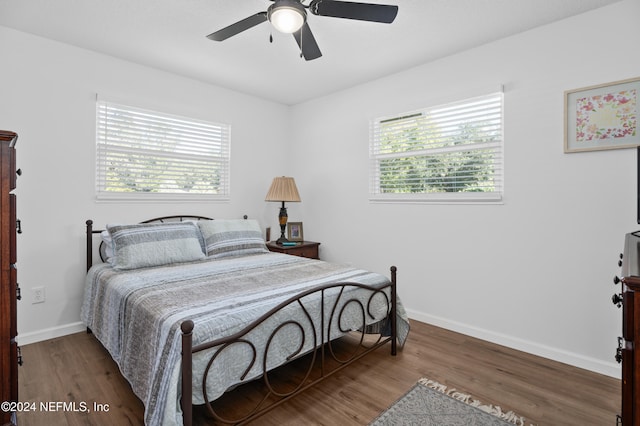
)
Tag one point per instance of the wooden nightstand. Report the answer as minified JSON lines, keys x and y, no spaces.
{"x":307,"y":249}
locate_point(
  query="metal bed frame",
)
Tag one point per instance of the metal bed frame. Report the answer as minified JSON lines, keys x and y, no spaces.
{"x":324,"y":360}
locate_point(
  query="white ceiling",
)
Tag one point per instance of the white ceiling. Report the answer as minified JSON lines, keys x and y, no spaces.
{"x":170,"y":35}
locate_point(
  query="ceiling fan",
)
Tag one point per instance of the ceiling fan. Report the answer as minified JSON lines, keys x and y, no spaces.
{"x":290,"y":16}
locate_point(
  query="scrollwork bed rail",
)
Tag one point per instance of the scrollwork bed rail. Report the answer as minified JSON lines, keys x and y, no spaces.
{"x":323,"y":344}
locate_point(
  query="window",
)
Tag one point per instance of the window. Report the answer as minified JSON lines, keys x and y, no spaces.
{"x":148,"y":155}
{"x":445,"y":153}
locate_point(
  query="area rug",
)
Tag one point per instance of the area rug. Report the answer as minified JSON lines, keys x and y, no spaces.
{"x":430,"y":403}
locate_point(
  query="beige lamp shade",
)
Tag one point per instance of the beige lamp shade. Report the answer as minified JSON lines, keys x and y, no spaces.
{"x":283,"y":189}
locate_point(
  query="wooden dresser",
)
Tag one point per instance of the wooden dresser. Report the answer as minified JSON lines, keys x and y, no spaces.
{"x":627,"y":352}
{"x":9,"y":292}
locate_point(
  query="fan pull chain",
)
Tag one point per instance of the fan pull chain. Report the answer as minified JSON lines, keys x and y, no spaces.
{"x":301,"y":55}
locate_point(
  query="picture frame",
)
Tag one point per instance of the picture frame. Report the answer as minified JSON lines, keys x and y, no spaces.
{"x":295,"y":232}
{"x":605,"y":116}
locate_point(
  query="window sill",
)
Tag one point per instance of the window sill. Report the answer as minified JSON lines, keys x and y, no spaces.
{"x":458,"y":198}
{"x":159,"y":198}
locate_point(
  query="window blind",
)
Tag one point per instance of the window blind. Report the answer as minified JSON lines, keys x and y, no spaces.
{"x":144,"y":154}
{"x":451,"y":152}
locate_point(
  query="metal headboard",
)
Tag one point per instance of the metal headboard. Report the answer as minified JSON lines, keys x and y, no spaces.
{"x":163,"y":219}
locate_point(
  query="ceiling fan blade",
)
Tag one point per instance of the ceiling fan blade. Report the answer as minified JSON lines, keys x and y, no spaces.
{"x":307,"y":43}
{"x":238,"y":27}
{"x":361,"y":11}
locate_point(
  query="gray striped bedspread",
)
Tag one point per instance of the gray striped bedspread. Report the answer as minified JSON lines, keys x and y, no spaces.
{"x":136,"y":315}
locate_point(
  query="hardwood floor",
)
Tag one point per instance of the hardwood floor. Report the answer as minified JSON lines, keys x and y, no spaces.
{"x":78,"y":369}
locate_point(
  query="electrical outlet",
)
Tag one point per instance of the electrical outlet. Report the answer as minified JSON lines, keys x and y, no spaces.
{"x":38,"y":295}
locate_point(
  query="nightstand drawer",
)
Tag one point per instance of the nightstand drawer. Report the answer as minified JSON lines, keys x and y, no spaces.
{"x":308,"y":249}
{"x":310,"y":252}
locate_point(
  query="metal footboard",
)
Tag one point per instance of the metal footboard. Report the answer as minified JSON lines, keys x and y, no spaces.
{"x":324,"y":361}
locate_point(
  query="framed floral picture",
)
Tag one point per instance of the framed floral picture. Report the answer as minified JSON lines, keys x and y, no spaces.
{"x":294,"y":231}
{"x":602,"y":117}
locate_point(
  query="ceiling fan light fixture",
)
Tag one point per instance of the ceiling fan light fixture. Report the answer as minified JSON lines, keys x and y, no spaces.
{"x":290,"y":16}
{"x":287,"y":16}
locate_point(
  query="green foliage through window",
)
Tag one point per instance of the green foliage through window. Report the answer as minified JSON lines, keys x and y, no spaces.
{"x":440,"y":152}
{"x":145,"y":152}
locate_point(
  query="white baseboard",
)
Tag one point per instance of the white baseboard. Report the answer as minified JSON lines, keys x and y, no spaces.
{"x":50,"y":333}
{"x":611,"y":369}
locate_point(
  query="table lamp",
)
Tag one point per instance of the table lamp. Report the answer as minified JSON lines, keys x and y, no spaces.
{"x":283,"y":189}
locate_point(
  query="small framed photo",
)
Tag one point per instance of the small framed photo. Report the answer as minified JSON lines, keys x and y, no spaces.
{"x":294,"y":231}
{"x":602,"y":117}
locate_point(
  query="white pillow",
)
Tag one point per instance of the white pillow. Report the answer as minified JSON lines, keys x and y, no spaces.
{"x":106,"y":248}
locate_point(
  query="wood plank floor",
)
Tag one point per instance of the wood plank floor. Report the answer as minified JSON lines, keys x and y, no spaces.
{"x":78,"y":369}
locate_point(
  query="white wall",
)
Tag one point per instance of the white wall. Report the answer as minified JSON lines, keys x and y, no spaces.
{"x":48,"y":98}
{"x":534,"y":273}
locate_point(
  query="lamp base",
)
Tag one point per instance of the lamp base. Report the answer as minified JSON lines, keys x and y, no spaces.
{"x":281,"y":240}
{"x":282,"y":219}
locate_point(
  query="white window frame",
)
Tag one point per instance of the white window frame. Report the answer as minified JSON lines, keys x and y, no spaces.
{"x":180,"y":144}
{"x":423,"y":145}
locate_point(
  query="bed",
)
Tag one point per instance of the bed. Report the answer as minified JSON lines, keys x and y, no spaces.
{"x":190,"y":308}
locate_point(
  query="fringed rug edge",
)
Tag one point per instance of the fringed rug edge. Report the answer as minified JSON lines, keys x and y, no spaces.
{"x":495,"y":410}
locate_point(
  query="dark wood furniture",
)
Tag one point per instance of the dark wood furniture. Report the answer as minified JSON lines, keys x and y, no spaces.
{"x":8,"y":275}
{"x":627,"y":352}
{"x":307,"y":249}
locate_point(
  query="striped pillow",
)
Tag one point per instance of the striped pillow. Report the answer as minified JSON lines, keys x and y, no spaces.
{"x":234,"y":237}
{"x":154,"y":244}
